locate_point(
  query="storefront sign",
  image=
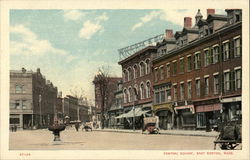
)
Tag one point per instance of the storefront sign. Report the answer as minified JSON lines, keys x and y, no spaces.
{"x":208,"y":108}
{"x":232,"y":99}
{"x":167,"y":106}
{"x":191,"y":107}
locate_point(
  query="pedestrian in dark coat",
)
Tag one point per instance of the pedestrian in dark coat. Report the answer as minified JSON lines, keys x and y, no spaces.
{"x":15,"y":128}
{"x":77,"y":126}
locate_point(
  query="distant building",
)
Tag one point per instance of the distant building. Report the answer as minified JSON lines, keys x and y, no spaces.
{"x":32,"y":99}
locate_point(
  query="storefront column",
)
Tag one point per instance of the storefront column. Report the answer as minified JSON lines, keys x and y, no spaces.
{"x":32,"y":121}
{"x":21,"y":121}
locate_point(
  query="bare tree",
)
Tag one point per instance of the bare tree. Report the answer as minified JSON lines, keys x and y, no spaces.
{"x":101,"y":81}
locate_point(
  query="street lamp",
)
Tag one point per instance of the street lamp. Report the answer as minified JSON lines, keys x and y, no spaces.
{"x":40,"y":108}
{"x":134,"y":95}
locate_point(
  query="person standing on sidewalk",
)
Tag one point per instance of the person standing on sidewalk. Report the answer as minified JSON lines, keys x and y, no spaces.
{"x":77,"y":126}
{"x":15,"y":127}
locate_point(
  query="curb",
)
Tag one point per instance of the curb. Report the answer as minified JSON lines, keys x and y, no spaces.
{"x":179,"y":134}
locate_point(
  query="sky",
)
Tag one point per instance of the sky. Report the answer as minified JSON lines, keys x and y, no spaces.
{"x":70,"y":45}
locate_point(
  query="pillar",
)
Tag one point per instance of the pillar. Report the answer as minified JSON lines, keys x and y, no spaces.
{"x":21,"y":121}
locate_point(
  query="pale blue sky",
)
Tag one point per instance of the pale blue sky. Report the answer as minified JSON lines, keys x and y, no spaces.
{"x":70,"y":45}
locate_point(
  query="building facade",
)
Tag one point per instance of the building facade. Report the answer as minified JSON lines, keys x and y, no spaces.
{"x":137,"y":86}
{"x":203,"y":72}
{"x":32,"y":99}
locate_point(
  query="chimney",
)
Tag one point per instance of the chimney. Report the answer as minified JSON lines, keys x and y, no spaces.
{"x":38,"y":70}
{"x":169,"y":34}
{"x":187,"y":22}
{"x":210,"y":11}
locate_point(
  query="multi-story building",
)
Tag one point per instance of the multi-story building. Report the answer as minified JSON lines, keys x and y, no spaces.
{"x":71,"y":108}
{"x":203,"y":72}
{"x":137,"y":85}
{"x":116,"y":109}
{"x":32,"y":99}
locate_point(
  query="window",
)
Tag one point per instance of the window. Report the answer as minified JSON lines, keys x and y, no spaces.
{"x":197,"y":86}
{"x":20,"y":88}
{"x":216,"y":84}
{"x":197,"y":61}
{"x":142,"y":91}
{"x":14,"y":120}
{"x":207,"y":57}
{"x":157,"y":97}
{"x":156,"y":74}
{"x":163,"y":96}
{"x":175,"y":92}
{"x":189,"y":90}
{"x":161,"y":73}
{"x":206,"y":80}
{"x":189,"y":63}
{"x":124,"y":75}
{"x":130,"y":95}
{"x":135,"y":92}
{"x":225,"y":48}
{"x":238,"y":78}
{"x":168,"y":93}
{"x":182,"y":91}
{"x":135,"y":71}
{"x":216,"y":54}
{"x":18,"y":104}
{"x":129,"y":74}
{"x":148,"y":90}
{"x":174,"y":68}
{"x":168,"y":70}
{"x":237,"y":47}
{"x":142,"y":69}
{"x":226,"y":81}
{"x":182,"y":65}
{"x":24,"y":104}
{"x":125,"y":96}
{"x":147,"y":66}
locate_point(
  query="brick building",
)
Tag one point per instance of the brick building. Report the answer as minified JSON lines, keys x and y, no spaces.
{"x":137,"y":85}
{"x":32,"y":99}
{"x":200,"y":79}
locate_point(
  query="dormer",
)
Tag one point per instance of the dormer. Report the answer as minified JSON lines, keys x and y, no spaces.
{"x":167,"y":44}
{"x":234,"y":15}
{"x":215,"y":21}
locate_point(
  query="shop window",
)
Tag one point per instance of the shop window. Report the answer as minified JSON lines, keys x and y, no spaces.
{"x":197,"y":86}
{"x":157,"y":97}
{"x":225,"y":49}
{"x":189,"y":63}
{"x":197,"y":61}
{"x":206,"y":85}
{"x":189,"y":91}
{"x":216,"y":84}
{"x":238,"y":78}
{"x":14,"y":120}
{"x":237,"y":47}
{"x":216,"y":54}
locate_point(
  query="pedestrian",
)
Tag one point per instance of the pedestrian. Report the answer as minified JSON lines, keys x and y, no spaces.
{"x":77,"y":126}
{"x":12,"y":128}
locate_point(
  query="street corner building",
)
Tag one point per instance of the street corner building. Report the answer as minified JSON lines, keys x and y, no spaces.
{"x":190,"y":79}
{"x":201,"y":77}
{"x":33,"y":99}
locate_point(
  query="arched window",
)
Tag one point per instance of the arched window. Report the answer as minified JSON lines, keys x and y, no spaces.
{"x":129,"y":74}
{"x":135,"y":70}
{"x":148,"y":90}
{"x":130,"y":95}
{"x":142,"y":91}
{"x":142,"y":68}
{"x":135,"y":91}
{"x":124,"y":75}
{"x":147,"y":66}
{"x":125,"y":95}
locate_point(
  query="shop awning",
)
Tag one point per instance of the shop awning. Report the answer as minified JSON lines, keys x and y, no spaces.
{"x":191,"y":107}
{"x":166,"y":106}
{"x":208,"y":108}
{"x":137,"y":112}
{"x":232,"y":99}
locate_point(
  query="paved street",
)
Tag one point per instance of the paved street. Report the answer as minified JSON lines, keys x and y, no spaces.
{"x":43,"y":139}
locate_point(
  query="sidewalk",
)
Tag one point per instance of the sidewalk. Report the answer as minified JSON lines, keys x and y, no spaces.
{"x":165,"y":132}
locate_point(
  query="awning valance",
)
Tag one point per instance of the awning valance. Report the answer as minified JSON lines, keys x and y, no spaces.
{"x":232,"y":99}
{"x":208,"y":108}
{"x":137,"y":112}
{"x":191,"y":107}
{"x":167,"y":106}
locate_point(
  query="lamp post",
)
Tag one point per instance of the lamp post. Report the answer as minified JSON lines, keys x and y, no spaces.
{"x":134,"y":95}
{"x":40,"y":108}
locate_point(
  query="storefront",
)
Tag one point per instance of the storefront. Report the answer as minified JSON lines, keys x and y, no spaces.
{"x":165,"y":114}
{"x":231,"y":108}
{"x":185,"y":118}
{"x":208,"y":115}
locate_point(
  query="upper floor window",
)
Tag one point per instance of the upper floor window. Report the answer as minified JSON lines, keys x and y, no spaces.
{"x":237,"y":47}
{"x":168,"y":93}
{"x":156,"y":74}
{"x":20,"y":88}
{"x":206,"y":80}
{"x":226,"y":81}
{"x":198,"y":87}
{"x":125,"y":96}
{"x":216,"y":83}
{"x":157,"y":97}
{"x":135,"y":69}
{"x":182,"y":65}
{"x":129,"y":74}
{"x":189,"y":63}
{"x":130,"y":95}
{"x":189,"y":89}
{"x":175,"y":92}
{"x":208,"y":58}
{"x":148,"y":90}
{"x":142,"y":91}
{"x":163,"y":98}
{"x":197,"y":60}
{"x":238,"y":78}
{"x":147,"y":66}
{"x":174,"y":67}
{"x":161,"y":73}
{"x":168,"y":70}
{"x":216,"y":54}
{"x":225,"y":50}
{"x":142,"y":69}
{"x":182,"y":91}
